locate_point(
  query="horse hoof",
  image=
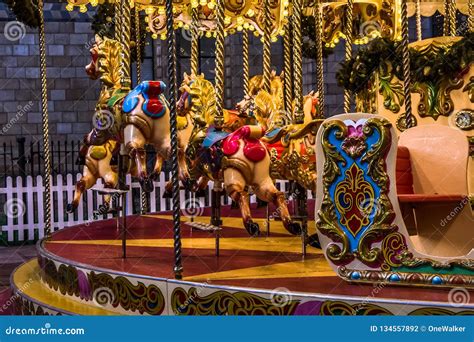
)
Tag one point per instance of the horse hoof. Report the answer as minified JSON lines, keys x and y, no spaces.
{"x":147,"y":185}
{"x":252,"y":228}
{"x":70,"y":208}
{"x":293,"y":228}
{"x":313,"y":241}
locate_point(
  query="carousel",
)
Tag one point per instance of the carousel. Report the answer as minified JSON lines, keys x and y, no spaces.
{"x":377,"y":214}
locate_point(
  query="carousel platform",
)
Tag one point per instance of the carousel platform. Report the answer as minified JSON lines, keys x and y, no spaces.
{"x":80,"y":270}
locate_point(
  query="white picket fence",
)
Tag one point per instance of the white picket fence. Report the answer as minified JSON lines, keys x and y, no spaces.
{"x":23,"y":204}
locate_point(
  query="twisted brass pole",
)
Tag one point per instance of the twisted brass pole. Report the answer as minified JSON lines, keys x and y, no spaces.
{"x":471,"y":16}
{"x":245,"y":62}
{"x":403,"y":50}
{"x":418,"y":20}
{"x":118,"y":21}
{"x":267,"y":71}
{"x":452,"y":18}
{"x":138,"y":45}
{"x":298,"y":61}
{"x":318,"y":23}
{"x":348,"y":48}
{"x":138,"y":63}
{"x":287,"y":66}
{"x":173,"y":98}
{"x":220,"y":40}
{"x":194,"y":40}
{"x":447,"y":21}
{"x":45,"y":124}
{"x":126,"y":22}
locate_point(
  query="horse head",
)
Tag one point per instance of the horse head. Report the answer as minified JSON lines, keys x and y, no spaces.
{"x":311,"y":106}
{"x":92,"y":69}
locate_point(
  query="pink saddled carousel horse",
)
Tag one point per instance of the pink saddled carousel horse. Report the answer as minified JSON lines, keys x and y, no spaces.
{"x":291,"y":146}
{"x":237,"y":158}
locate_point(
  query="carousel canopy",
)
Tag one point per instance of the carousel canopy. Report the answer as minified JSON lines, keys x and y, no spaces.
{"x":372,"y":18}
{"x":239,"y":15}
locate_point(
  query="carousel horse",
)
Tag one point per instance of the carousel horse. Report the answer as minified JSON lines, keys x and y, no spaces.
{"x":97,"y":165}
{"x":132,"y":118}
{"x":235,"y":157}
{"x":291,"y":146}
{"x":202,"y":117}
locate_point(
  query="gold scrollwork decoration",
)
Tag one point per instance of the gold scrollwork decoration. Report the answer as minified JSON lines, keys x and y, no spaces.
{"x":338,"y":308}
{"x":402,"y":122}
{"x":435,"y":97}
{"x":221,"y":302}
{"x":391,"y":90}
{"x":327,"y":219}
{"x":469,"y":88}
{"x":384,"y":214}
{"x":140,"y":297}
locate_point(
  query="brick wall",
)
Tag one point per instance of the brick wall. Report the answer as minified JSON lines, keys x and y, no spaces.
{"x":71,"y":94}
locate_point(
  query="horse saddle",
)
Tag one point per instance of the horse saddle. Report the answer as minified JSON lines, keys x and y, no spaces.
{"x":253,"y":147}
{"x":213,"y":136}
{"x":154,"y":105}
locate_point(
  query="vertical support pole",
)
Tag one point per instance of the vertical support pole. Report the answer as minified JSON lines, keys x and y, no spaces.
{"x":418,"y":20}
{"x":404,"y":52}
{"x":219,"y":117}
{"x":171,"y":42}
{"x":267,"y":71}
{"x":138,"y":63}
{"x":220,"y":40}
{"x":447,"y":20}
{"x":45,"y":125}
{"x":298,"y":115}
{"x":138,"y":41}
{"x":123,"y":210}
{"x":245,"y":62}
{"x":126,"y":22}
{"x":194,"y":39}
{"x":288,"y":66}
{"x":471,"y":16}
{"x":216,"y":220}
{"x":348,"y":48}
{"x":118,"y":21}
{"x":452,"y":18}
{"x":318,"y":26}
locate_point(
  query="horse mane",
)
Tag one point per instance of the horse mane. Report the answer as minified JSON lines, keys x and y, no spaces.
{"x":203,"y":99}
{"x":266,"y":111}
{"x":109,"y":62}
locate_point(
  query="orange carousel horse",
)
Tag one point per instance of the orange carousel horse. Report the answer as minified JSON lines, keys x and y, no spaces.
{"x":291,"y":146}
{"x":234,"y":155}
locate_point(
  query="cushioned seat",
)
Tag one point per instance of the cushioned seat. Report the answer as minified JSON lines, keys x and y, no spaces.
{"x":405,"y":183}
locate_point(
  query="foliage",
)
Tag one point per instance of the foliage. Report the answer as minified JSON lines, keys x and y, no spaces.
{"x":25,"y":11}
{"x":381,"y":54}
